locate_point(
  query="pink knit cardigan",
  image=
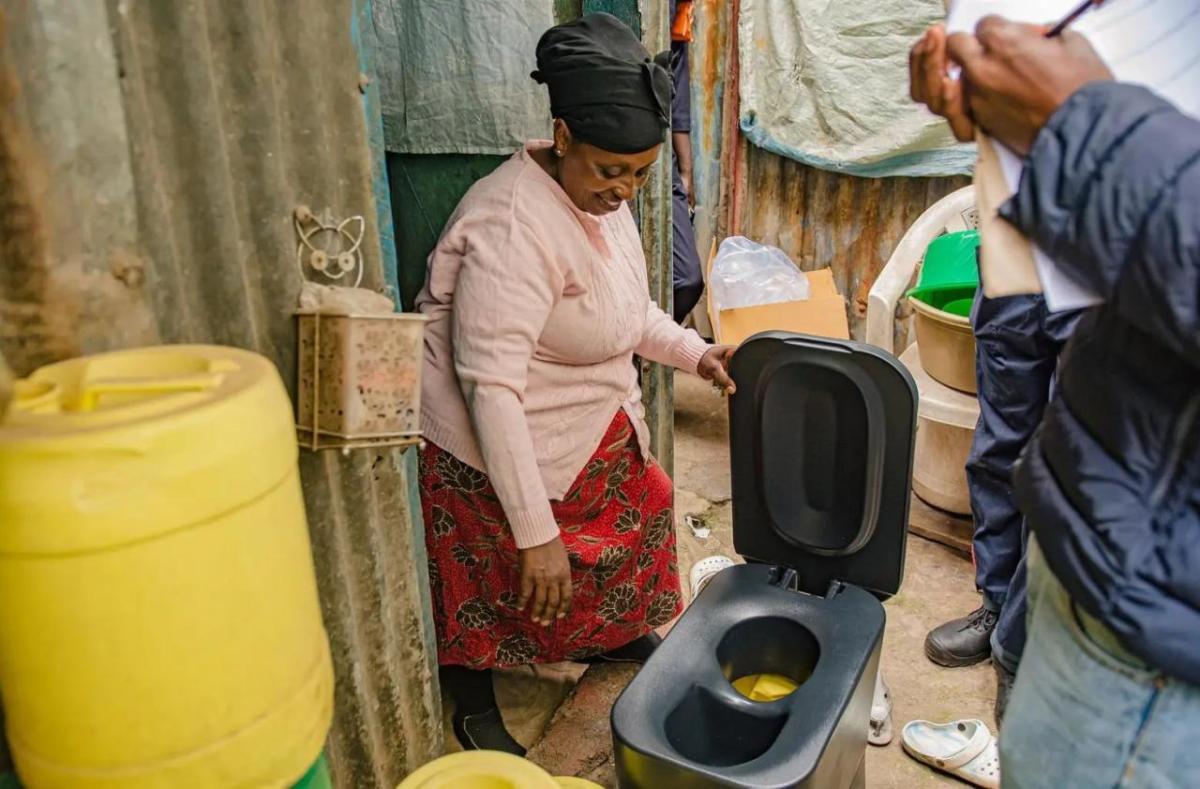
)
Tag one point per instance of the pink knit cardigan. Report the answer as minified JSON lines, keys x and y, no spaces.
{"x":535,"y":312}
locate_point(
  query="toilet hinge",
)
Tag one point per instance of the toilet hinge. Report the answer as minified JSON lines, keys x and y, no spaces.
{"x":785,"y":578}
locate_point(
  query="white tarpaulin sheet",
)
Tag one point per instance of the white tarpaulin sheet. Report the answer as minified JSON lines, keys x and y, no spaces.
{"x":826,"y":82}
{"x":454,"y":74}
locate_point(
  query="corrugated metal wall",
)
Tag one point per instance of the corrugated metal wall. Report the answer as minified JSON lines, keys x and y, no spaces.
{"x":161,"y":149}
{"x":708,"y":58}
{"x":825,"y":219}
{"x":818,"y":218}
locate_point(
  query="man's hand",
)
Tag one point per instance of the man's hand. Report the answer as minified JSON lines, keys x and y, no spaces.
{"x":929,"y":84}
{"x":686,"y":180}
{"x":545,"y":581}
{"x":714,"y":367}
{"x":681,"y":144}
{"x":1015,"y":77}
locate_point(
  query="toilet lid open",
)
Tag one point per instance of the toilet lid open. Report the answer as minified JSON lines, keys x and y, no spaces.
{"x":821,"y":446}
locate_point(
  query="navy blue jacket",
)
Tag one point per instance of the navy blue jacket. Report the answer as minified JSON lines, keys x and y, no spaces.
{"x":1111,"y":483}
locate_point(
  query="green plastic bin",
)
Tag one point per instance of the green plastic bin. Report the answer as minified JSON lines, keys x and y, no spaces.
{"x":950,"y":263}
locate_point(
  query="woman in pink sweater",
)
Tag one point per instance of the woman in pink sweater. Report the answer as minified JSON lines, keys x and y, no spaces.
{"x":549,"y":526}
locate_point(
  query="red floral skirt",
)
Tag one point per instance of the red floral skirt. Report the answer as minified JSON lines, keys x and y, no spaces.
{"x":617,"y":525}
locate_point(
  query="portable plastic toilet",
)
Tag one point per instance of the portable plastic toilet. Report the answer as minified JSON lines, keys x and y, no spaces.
{"x":821,"y":438}
{"x":159,"y":622}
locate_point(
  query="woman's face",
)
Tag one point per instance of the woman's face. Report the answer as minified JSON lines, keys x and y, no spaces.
{"x":598,"y":181}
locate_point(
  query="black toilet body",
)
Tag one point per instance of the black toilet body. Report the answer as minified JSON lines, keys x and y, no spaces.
{"x":821,"y":439}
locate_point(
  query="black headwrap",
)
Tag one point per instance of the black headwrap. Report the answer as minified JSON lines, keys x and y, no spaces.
{"x":604,"y":84}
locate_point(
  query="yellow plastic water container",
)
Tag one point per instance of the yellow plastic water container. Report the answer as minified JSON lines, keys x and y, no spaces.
{"x":159,"y":622}
{"x":488,"y":770}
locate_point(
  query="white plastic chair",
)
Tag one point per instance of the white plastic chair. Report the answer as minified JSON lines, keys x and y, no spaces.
{"x":955,"y":211}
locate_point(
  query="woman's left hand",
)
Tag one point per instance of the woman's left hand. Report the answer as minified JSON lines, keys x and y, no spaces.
{"x":714,"y":367}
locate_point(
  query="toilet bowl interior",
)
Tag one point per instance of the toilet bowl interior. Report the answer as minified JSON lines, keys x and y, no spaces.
{"x":715,"y":729}
{"x":768,"y":645}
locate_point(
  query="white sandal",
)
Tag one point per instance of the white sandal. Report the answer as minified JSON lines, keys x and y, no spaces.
{"x":965,"y":749}
{"x":880,"y":732}
{"x":704,"y":570}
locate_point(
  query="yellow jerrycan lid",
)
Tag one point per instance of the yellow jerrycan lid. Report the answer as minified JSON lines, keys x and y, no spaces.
{"x":488,"y":770}
{"x":124,"y":446}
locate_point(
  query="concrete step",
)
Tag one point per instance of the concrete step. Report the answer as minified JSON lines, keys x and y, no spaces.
{"x":578,"y":741}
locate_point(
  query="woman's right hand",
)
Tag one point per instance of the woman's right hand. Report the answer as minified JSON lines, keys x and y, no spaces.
{"x":545,"y":581}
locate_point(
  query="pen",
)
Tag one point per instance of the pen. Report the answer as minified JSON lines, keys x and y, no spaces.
{"x":1066,"y":21}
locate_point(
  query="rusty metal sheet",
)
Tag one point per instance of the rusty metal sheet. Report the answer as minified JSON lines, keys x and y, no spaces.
{"x":654,"y":222}
{"x":819,"y":219}
{"x":823,"y":219}
{"x":162,"y":149}
{"x":707,"y":56}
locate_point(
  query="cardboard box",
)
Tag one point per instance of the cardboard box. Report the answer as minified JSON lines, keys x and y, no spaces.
{"x":823,"y":314}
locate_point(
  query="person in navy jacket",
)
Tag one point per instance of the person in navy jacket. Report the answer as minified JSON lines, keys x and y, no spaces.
{"x":1108,"y":689}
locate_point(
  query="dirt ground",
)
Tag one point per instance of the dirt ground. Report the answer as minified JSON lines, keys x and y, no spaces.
{"x":571,"y":738}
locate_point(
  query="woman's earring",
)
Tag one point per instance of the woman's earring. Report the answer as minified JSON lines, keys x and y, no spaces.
{"x":558,"y":152}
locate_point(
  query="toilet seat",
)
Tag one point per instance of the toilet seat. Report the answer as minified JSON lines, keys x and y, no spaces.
{"x":821,"y":435}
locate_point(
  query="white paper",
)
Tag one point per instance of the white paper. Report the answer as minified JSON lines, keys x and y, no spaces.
{"x":1155,"y":43}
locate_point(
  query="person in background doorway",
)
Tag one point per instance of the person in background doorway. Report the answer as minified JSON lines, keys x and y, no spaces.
{"x":686,"y":274}
{"x":1017,"y":346}
{"x":549,"y":526}
{"x":1108,"y":691}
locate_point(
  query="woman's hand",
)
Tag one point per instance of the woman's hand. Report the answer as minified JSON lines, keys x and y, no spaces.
{"x":545,"y":581}
{"x":714,"y":367}
{"x":1016,"y":78}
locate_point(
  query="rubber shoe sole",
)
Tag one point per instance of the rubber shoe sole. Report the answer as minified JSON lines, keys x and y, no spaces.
{"x":943,"y":657}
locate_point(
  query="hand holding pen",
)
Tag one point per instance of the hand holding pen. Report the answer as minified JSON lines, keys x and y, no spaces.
{"x":1014,"y":76}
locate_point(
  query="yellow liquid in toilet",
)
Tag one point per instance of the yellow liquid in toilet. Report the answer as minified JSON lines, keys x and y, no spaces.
{"x":765,"y":687}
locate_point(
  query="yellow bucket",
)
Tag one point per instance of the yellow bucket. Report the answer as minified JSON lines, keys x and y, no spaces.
{"x":488,"y":770}
{"x":159,"y":623}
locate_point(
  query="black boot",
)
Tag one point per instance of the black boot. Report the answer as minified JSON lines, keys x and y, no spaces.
{"x":962,"y":642}
{"x":1004,"y":686}
{"x":637,"y":651}
{"x":477,"y":722}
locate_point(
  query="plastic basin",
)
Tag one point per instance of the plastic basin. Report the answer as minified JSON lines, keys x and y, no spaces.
{"x":946,"y":341}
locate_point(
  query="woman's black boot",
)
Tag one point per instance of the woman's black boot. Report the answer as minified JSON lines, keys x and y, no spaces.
{"x":477,"y":722}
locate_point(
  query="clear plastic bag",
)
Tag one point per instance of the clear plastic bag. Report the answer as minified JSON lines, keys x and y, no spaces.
{"x":746,"y":273}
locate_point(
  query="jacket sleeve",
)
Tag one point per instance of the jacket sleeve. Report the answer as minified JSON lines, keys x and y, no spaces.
{"x":1111,"y":191}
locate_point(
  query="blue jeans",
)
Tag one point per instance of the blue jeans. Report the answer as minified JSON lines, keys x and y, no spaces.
{"x":1087,"y":713}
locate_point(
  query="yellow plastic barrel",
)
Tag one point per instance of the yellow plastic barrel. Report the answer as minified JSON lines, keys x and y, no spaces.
{"x":159,"y":623}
